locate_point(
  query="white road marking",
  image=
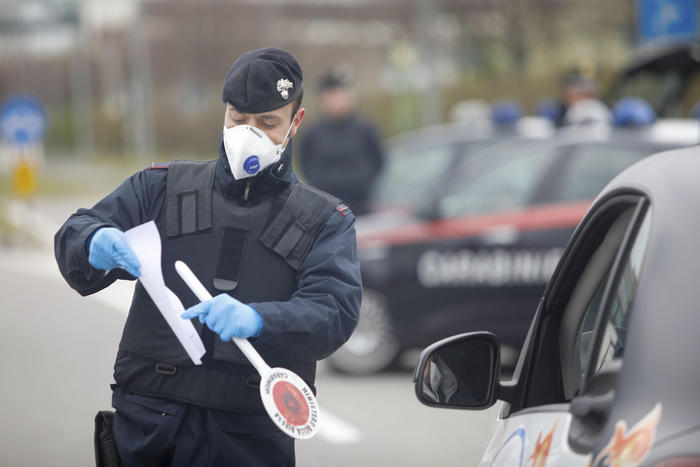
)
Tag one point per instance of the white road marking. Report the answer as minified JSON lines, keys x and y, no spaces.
{"x":29,"y":218}
{"x":335,"y":430}
{"x":42,"y":264}
{"x":118,"y":296}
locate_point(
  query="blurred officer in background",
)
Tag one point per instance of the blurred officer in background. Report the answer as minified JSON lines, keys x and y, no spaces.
{"x":578,"y":84}
{"x":341,"y":153}
{"x":278,"y":256}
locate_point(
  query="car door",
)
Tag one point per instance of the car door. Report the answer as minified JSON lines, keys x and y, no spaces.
{"x":566,"y":374}
{"x":478,"y":261}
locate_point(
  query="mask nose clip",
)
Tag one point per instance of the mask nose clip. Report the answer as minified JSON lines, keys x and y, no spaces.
{"x":255,"y":132}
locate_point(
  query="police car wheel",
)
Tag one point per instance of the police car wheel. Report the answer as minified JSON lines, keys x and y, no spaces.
{"x":373,"y":346}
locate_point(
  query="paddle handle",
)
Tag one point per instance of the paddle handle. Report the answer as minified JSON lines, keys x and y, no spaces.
{"x":203,"y":294}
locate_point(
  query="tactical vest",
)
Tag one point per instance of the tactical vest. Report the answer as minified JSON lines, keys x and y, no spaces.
{"x":252,"y":253}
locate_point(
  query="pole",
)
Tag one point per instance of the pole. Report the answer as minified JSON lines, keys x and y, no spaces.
{"x":430,"y":98}
{"x":140,"y":110}
{"x":81,"y":89}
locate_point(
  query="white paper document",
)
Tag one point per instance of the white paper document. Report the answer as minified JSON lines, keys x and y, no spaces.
{"x":144,"y":241}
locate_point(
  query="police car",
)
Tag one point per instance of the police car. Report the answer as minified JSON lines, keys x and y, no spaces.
{"x":608,"y":374}
{"x":478,"y":253}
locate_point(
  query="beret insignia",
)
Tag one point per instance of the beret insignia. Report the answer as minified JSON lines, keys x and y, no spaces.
{"x":283,"y":86}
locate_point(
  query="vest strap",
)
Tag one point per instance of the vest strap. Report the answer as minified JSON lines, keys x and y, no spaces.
{"x":295,"y":227}
{"x":228,"y":268}
{"x":188,"y":194}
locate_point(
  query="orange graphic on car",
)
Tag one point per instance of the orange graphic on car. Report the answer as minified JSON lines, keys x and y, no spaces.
{"x":542,"y":445}
{"x":630,"y":448}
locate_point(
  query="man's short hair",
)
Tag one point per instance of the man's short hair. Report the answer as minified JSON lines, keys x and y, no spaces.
{"x":297,"y":103}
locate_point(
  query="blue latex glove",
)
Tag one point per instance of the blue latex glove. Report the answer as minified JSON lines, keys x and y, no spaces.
{"x":108,"y":250}
{"x":227,"y":317}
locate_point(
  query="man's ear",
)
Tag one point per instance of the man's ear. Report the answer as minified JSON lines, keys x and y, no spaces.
{"x":297,"y":121}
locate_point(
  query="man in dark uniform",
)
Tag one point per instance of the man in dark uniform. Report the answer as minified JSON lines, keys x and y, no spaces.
{"x":577,"y":85}
{"x":279,"y":257}
{"x":341,"y":153}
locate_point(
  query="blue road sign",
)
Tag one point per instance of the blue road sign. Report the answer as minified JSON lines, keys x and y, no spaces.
{"x":22,"y":120}
{"x":667,"y":19}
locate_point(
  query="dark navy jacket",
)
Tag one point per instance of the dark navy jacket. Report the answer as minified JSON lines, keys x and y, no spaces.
{"x":342,"y":158}
{"x":321,"y":314}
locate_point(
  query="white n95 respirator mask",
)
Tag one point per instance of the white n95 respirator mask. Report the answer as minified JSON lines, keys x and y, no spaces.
{"x":249,"y":150}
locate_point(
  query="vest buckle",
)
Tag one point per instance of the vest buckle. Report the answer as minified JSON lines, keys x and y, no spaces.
{"x":165,"y":369}
{"x":253,"y":381}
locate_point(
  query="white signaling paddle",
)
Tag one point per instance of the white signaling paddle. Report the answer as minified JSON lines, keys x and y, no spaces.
{"x":289,"y":401}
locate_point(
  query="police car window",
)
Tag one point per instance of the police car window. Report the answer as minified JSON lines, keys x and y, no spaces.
{"x":692,"y":94}
{"x":469,"y":148}
{"x":653,"y":85}
{"x":496,"y":180}
{"x":592,"y":166}
{"x":612,"y":346}
{"x":408,"y":173}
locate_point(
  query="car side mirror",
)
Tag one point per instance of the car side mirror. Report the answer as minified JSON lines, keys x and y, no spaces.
{"x":462,"y":371}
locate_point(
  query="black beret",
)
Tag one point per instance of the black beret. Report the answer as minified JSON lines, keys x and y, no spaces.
{"x":263,"y":80}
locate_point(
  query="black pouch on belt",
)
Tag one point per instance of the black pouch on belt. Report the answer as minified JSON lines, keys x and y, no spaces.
{"x":106,"y":454}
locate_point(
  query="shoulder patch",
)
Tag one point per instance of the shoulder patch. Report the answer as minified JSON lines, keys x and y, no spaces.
{"x":162,"y":166}
{"x":343,"y":209}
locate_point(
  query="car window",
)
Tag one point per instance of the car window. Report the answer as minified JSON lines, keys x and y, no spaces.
{"x":615,"y":327}
{"x":652,"y":85}
{"x":692,"y":94}
{"x":572,"y":304}
{"x":496,"y":180}
{"x":585,"y":334}
{"x":612,"y":345}
{"x":467,"y":148}
{"x":410,"y":172}
{"x":591,"y":166}
{"x":583,"y":304}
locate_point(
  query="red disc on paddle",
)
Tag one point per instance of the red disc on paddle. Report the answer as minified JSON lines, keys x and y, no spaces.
{"x":291,"y":403}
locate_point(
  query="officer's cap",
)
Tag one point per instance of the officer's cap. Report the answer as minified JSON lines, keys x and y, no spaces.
{"x":263,"y":80}
{"x":339,"y":76}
